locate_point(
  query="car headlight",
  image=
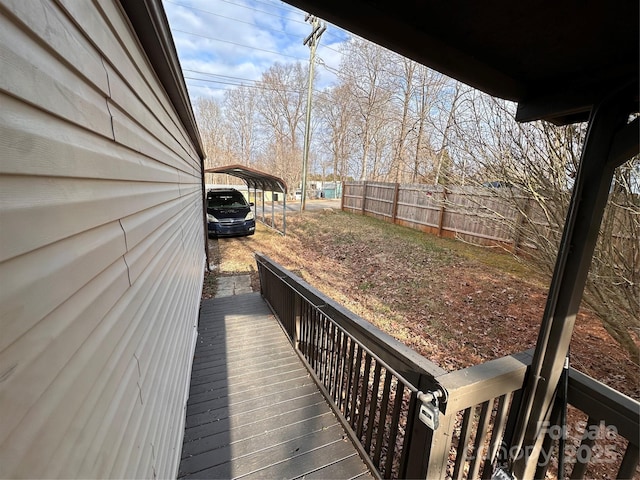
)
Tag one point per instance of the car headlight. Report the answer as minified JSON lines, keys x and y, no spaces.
{"x":250,"y":215}
{"x":211,"y":218}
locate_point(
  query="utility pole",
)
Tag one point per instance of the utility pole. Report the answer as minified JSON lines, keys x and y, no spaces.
{"x":317,"y":29}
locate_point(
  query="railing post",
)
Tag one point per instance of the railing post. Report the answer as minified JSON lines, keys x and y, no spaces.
{"x":428,"y":450}
{"x":437,"y":451}
{"x":419,"y":434}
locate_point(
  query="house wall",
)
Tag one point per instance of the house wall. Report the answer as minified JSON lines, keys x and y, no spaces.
{"x":101,"y":248}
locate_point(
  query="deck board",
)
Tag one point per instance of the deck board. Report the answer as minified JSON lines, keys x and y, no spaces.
{"x":253,"y":410}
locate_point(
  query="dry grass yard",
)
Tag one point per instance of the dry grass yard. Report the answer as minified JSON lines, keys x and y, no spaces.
{"x":454,"y":303}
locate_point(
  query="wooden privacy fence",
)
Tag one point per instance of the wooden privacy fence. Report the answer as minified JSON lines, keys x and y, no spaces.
{"x":474,"y":214}
{"x":375,"y":385}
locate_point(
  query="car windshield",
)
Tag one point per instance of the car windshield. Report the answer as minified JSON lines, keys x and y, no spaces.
{"x":226,"y":200}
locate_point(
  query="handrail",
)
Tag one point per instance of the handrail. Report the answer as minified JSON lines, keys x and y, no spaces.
{"x":375,"y":385}
{"x":486,"y":381}
{"x":484,"y":398}
{"x":400,"y":357}
{"x":371,"y":380}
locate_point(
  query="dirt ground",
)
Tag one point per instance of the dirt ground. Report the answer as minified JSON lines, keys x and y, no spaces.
{"x":456,"y":304}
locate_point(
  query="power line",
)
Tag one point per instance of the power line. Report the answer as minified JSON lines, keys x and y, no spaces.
{"x":235,"y":19}
{"x":238,"y":44}
{"x":254,"y":83}
{"x":221,"y":75}
{"x":221,"y":82}
{"x":322,"y":63}
{"x":188,"y":7}
{"x":281,"y":5}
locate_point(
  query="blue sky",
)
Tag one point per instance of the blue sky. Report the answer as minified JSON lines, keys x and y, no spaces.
{"x":222,"y":43}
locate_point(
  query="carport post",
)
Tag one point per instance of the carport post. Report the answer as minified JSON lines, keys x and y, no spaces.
{"x":255,"y":201}
{"x":607,"y":146}
{"x":273,"y":215}
{"x":284,"y":213}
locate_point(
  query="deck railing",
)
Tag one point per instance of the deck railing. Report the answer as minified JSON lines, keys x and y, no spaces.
{"x":376,"y":385}
{"x":475,"y":418}
{"x":601,"y":437}
{"x":371,"y":380}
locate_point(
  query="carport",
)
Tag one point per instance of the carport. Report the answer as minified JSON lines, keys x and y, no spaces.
{"x":260,"y":181}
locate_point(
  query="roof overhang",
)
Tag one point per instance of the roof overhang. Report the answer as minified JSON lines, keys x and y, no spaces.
{"x":152,"y":27}
{"x":555,"y":59}
{"x":253,"y":178}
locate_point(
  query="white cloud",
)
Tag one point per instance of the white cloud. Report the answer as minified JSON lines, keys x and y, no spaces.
{"x":235,"y":41}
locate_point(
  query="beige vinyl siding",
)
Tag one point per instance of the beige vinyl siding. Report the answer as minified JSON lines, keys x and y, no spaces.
{"x":101,"y":248}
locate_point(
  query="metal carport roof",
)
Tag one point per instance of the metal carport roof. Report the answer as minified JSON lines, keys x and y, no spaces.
{"x":253,"y":178}
{"x":263,"y":181}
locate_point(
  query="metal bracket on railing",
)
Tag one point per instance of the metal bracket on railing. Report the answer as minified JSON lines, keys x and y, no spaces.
{"x":430,"y":408}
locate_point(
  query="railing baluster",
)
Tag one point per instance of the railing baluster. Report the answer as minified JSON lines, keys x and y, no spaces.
{"x":343,"y":373}
{"x":304,"y":329}
{"x":336,"y":367}
{"x":337,"y":337}
{"x":481,"y":436}
{"x":373,"y":406}
{"x":580,"y":467}
{"x":384,"y":405}
{"x":313,"y":343}
{"x":408,"y":431}
{"x":292,"y":313}
{"x":496,"y":435}
{"x":308,"y":324}
{"x":328,"y":328}
{"x":321,"y":344}
{"x":316,"y":339}
{"x":395,"y":420}
{"x":629,"y":462}
{"x":364,"y":392}
{"x":463,"y":442}
{"x":355,"y":388}
{"x":349,"y":379}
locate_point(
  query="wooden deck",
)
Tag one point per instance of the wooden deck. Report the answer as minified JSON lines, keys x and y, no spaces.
{"x":253,"y":410}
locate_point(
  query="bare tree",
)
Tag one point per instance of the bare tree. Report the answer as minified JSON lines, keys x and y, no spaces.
{"x":214,"y":131}
{"x":613,"y":285}
{"x":335,"y":110}
{"x":532,"y":167}
{"x":240,"y":112}
{"x":430,"y":86}
{"x":363,"y":70}
{"x":281,"y":108}
{"x":403,"y":75}
{"x":443,"y":159}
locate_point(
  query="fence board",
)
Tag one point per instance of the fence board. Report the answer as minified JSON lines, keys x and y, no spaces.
{"x":471,"y":213}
